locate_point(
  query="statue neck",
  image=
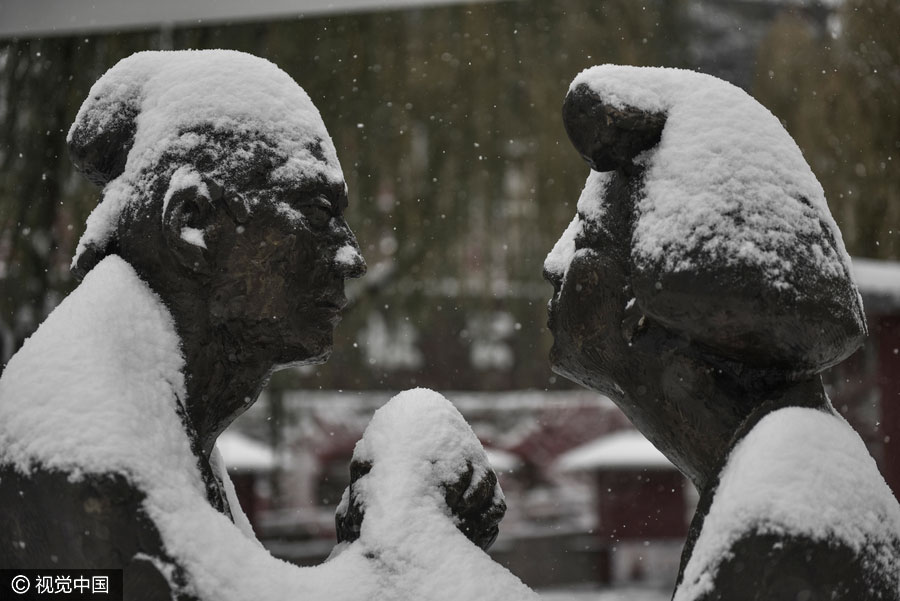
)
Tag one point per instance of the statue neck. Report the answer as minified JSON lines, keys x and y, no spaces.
{"x":222,"y":382}
{"x":224,"y":373}
{"x":722,"y":414}
{"x":220,"y":386}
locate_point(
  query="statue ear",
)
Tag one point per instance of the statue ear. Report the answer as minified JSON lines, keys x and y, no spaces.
{"x":609,"y":137}
{"x":187,"y":217}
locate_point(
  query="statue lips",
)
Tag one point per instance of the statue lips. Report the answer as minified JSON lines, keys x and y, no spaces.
{"x":332,"y":304}
{"x":551,"y":314}
{"x":553,"y":324}
{"x":555,"y":280}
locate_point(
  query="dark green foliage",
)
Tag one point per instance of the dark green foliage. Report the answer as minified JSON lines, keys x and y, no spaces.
{"x":461,"y":177}
{"x":840,"y":99}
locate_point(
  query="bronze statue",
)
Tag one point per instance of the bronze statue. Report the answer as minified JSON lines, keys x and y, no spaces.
{"x":234,"y":223}
{"x":703,"y":286}
{"x":217,"y":254}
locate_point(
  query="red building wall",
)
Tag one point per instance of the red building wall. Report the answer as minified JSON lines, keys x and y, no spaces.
{"x":641,"y":504}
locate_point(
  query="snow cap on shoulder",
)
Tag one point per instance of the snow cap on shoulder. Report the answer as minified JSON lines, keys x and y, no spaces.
{"x":229,"y":104}
{"x":732,"y":237}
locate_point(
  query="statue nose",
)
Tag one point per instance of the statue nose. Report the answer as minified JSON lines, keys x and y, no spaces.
{"x":349,"y":261}
{"x":554,"y":277}
{"x":348,"y":258}
{"x":357,"y":269}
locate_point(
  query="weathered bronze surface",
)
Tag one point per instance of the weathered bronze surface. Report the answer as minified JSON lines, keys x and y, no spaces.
{"x":696,"y":359}
{"x":265,"y":292}
{"x":262,"y":292}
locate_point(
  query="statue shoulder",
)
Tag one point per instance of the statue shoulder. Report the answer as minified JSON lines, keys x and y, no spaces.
{"x":798,"y":512}
{"x":52,"y":520}
{"x":775,"y":567}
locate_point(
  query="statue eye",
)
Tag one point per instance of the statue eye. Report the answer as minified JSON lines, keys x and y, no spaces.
{"x":319,"y":212}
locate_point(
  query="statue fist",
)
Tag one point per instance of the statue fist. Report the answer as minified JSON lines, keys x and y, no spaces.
{"x":417,"y":451}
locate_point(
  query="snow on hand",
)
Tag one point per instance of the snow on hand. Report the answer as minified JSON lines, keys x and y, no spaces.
{"x":416,"y":442}
{"x":725,"y":183}
{"x":179,"y":98}
{"x":798,"y":471}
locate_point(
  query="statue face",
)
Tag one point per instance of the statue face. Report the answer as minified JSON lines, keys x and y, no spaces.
{"x":603,"y":341}
{"x":590,"y":315}
{"x":583,"y":315}
{"x":279,"y":280}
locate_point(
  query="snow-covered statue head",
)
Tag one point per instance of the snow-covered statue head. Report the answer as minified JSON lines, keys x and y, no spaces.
{"x":702,"y":255}
{"x":703,"y":285}
{"x":222,"y":188}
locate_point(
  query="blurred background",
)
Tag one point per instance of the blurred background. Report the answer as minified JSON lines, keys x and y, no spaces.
{"x":446,"y":118}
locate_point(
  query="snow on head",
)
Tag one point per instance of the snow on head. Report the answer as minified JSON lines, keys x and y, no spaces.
{"x":726,"y":183}
{"x":215,"y":109}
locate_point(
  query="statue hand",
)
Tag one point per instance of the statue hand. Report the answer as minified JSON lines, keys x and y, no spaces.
{"x":475,"y":501}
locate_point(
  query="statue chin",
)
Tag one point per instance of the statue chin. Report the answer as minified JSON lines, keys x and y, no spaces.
{"x":311,"y":348}
{"x":317,"y":358}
